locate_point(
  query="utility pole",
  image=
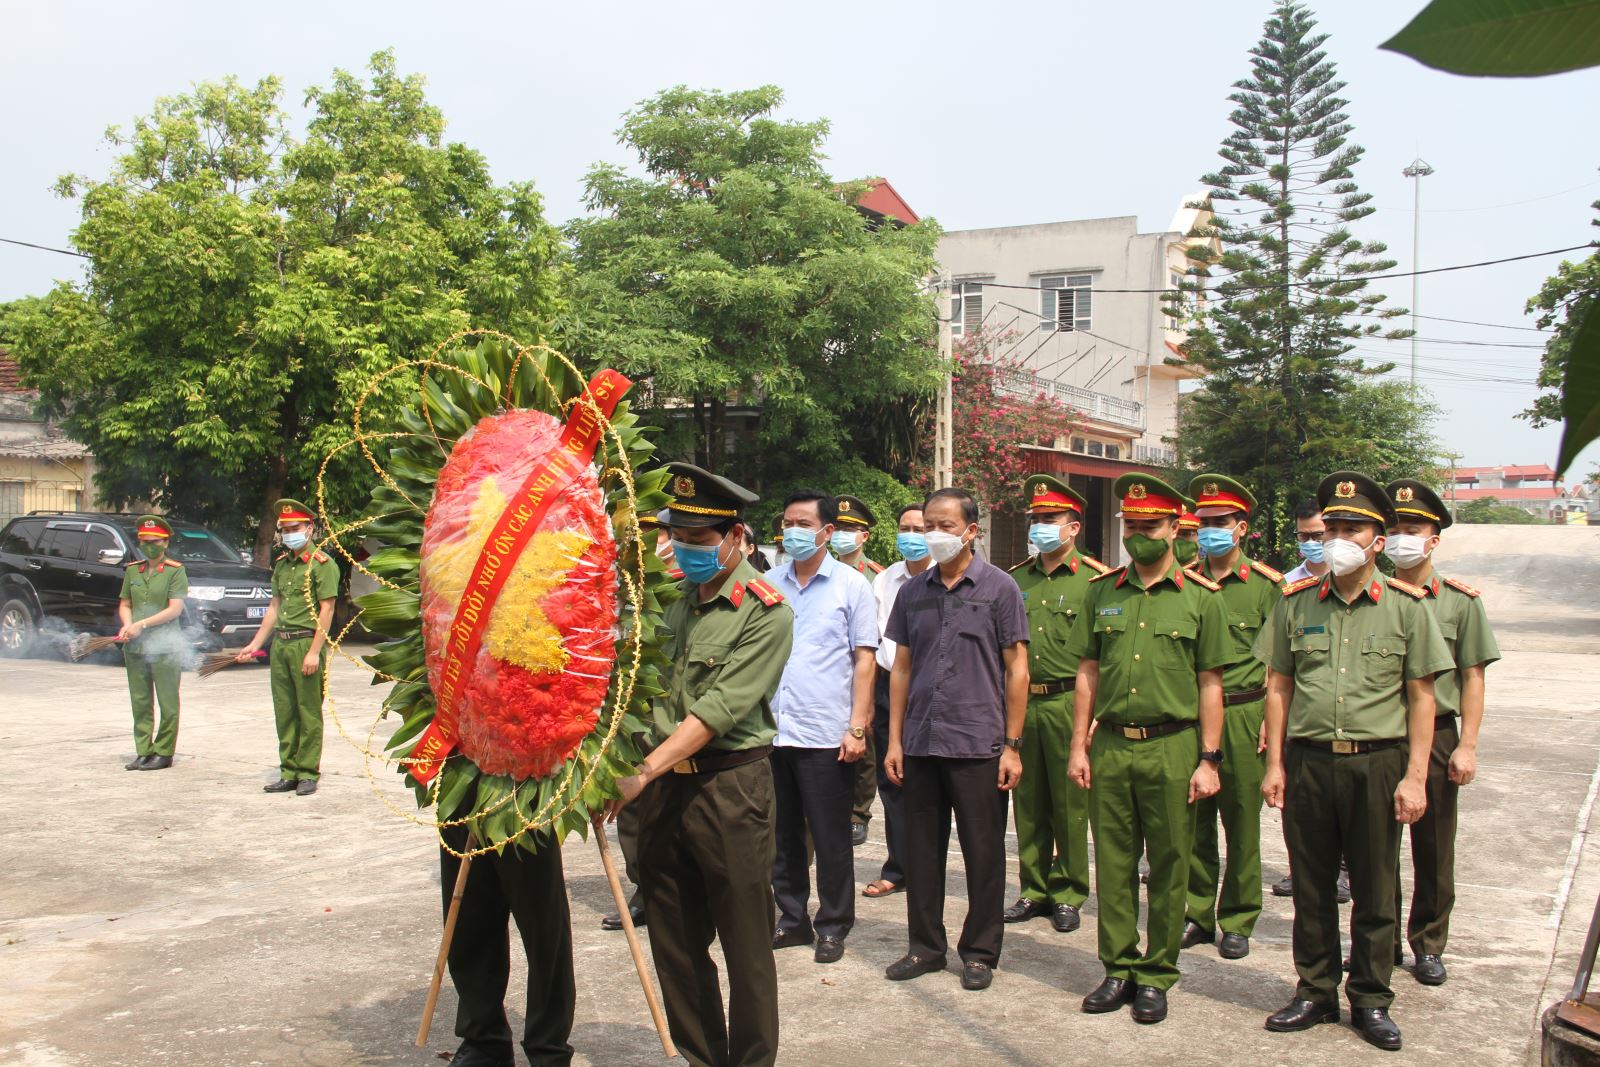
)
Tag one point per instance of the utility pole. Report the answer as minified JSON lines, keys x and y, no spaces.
{"x":944,"y":430}
{"x":1417,"y":171}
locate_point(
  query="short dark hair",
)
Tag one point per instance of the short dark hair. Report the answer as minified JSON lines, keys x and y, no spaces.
{"x":1307,"y":509}
{"x":902,"y":512}
{"x":969,"y":506}
{"x":827,"y":510}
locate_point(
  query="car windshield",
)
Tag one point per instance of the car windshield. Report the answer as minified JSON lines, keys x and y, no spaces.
{"x":200,"y":546}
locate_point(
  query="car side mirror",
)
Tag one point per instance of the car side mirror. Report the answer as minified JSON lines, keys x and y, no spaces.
{"x":110,"y":557}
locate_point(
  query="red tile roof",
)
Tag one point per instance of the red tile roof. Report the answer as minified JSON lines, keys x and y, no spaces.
{"x":1538,"y":472}
{"x":10,"y":374}
{"x":881,"y":198}
{"x":1531,"y":492}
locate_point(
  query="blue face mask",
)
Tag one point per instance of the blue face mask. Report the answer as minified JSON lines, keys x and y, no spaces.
{"x":843,"y":542}
{"x":1046,"y":536}
{"x":295,"y":540}
{"x":1215,"y":541}
{"x":1311,"y":551}
{"x":699,"y":563}
{"x":799,"y":543}
{"x":912,"y":546}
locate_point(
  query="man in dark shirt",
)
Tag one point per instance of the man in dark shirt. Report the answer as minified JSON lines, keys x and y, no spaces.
{"x":958,"y":695}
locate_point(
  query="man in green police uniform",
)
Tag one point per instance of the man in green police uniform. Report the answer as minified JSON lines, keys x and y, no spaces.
{"x":305,"y":582}
{"x":1152,"y":643}
{"x":1458,"y":701}
{"x":705,"y":792}
{"x":1350,"y":712}
{"x":1250,"y":590}
{"x":1052,"y":813}
{"x":1186,"y":546}
{"x":150,"y":605}
{"x":852,"y":529}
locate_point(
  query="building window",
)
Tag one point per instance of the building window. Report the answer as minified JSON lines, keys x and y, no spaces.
{"x":1077,"y":445}
{"x":1096,"y":448}
{"x":966,"y":308}
{"x":1064,"y":302}
{"x":1113,"y":452}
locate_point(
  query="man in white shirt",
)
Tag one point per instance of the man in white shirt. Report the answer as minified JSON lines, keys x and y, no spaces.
{"x":1308,"y":531}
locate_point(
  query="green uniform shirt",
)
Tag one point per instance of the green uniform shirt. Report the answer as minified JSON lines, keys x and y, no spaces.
{"x":295,"y":611}
{"x":1250,"y":592}
{"x":1465,"y":627}
{"x":1151,"y":644}
{"x":1054,"y":602}
{"x":728,"y":655}
{"x":1350,"y":662}
{"x":148,"y":588}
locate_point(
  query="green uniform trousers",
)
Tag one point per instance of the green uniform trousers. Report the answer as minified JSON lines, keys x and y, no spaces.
{"x":1238,"y":805}
{"x":866,"y":784}
{"x":1052,"y":813}
{"x":706,"y":848}
{"x":1333,"y":806}
{"x":154,"y":680}
{"x":1139,"y":803}
{"x":1433,"y":851}
{"x":297,"y":705}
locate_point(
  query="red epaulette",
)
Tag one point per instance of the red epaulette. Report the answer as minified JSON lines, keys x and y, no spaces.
{"x":765,"y":593}
{"x":1406,"y":587}
{"x":320,"y":556}
{"x":877,"y":568}
{"x":1202,"y":580}
{"x":1310,"y":582}
{"x":1107,"y":573}
{"x":675,"y":574}
{"x":1263,"y":569}
{"x":1094,"y":564}
{"x":174,"y":562}
{"x":1462,"y":586}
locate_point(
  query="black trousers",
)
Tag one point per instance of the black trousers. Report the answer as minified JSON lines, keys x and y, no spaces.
{"x":813,"y":791}
{"x":1433,"y":851}
{"x":936,"y":787}
{"x":531,"y":889}
{"x":890,"y":795}
{"x":705,"y":864}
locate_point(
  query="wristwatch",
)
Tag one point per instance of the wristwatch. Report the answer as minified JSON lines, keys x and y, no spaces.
{"x":1213,"y":756}
{"x":1014,"y":742}
{"x":858,"y":732}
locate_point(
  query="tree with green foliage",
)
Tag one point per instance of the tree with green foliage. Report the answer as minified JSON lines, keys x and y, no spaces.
{"x":1488,"y":509}
{"x":244,"y":287}
{"x":1286,"y":299}
{"x":736,"y":273}
{"x":1562,"y":303}
{"x":880,"y":492}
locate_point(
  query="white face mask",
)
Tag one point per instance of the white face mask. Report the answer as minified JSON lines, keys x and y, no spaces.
{"x":944,"y":547}
{"x":1407,"y":550}
{"x":1343,"y":556}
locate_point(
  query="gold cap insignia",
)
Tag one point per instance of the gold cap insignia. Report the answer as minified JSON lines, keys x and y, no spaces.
{"x":1209,"y":489}
{"x":1137,"y":491}
{"x":844,"y":507}
{"x":286,"y":510}
{"x":683,"y":485}
{"x":1040,"y":489}
{"x":1345,"y":490}
{"x":1405,"y":495}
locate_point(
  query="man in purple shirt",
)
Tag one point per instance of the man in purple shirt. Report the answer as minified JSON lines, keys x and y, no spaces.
{"x":958,"y":695}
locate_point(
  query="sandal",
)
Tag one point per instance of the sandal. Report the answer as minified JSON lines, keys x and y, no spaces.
{"x":883,"y":888}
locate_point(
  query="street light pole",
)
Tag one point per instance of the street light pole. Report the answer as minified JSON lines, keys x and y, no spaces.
{"x":1417,"y":171}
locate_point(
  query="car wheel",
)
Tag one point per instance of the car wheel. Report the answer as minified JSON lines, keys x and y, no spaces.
{"x":17,"y":628}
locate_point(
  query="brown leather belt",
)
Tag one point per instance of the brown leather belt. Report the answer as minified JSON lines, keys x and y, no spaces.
{"x":1244,"y":696}
{"x":707,"y":762}
{"x":1047,"y":689}
{"x":1348,"y":748}
{"x":1145,"y":733}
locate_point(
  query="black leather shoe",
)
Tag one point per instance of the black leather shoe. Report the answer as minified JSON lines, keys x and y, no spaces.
{"x":791,"y":938}
{"x":1149,"y":1004}
{"x":1025,"y":909}
{"x":1342,"y":890}
{"x":305,"y":788}
{"x":1109,"y":995}
{"x":975,"y":975}
{"x":1193,"y":935}
{"x":135,"y":764}
{"x":1234,"y":947}
{"x":1375,"y":1025}
{"x":1301,"y":1015}
{"x":1429,"y":969}
{"x":1283,"y":887}
{"x":858,"y":833}
{"x":1064,"y":917}
{"x":282,"y":785}
{"x":912,"y":966}
{"x":483,"y":1054}
{"x":156,"y":763}
{"x":614,"y":921}
{"x":829,"y":949}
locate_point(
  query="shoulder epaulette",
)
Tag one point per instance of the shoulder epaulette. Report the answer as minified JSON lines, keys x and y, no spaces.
{"x":1018,"y":566}
{"x":320,"y":556}
{"x":875,"y":566}
{"x":1094,"y":564}
{"x":764,"y":592}
{"x":174,"y":562}
{"x":138,"y":563}
{"x":1406,"y":587}
{"x":1462,"y":586}
{"x":1107,"y":573}
{"x":1263,"y":569}
{"x":1202,"y":581}
{"x":1304,"y":583}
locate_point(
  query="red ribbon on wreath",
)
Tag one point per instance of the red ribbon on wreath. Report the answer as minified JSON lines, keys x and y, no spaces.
{"x":524,"y":511}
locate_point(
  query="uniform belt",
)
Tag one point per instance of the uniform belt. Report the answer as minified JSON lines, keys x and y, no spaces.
{"x":293,"y":635}
{"x":1145,"y":733}
{"x":1046,"y":689}
{"x":1444,"y":722}
{"x":1244,"y":696}
{"x":1348,"y":748}
{"x":705,"y":762}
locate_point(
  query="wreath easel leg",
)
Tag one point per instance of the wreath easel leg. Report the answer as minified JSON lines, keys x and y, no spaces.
{"x":444,"y":947}
{"x":632,"y":934}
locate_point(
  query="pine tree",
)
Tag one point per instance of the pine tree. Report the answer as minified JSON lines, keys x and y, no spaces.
{"x":1276,"y":296}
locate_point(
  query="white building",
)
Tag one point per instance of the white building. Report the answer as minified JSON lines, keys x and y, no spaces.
{"x":1077,"y":311}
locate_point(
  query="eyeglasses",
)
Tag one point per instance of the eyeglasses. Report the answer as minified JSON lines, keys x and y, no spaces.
{"x":1303,"y":537}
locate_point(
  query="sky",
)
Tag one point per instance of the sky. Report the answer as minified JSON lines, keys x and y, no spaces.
{"x":981,"y":115}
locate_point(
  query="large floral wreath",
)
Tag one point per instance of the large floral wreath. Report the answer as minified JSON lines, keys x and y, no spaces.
{"x":479,"y":488}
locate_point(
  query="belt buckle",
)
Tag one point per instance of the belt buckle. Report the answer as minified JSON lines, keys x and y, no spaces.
{"x":1344,"y":748}
{"x":1038,"y":689}
{"x":683,"y":767}
{"x":1134,"y":733}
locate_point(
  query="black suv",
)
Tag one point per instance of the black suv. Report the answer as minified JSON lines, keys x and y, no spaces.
{"x":68,"y":565}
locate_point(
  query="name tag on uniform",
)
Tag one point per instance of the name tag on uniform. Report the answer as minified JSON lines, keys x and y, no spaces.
{"x":1110,"y":611}
{"x":1301,"y":631}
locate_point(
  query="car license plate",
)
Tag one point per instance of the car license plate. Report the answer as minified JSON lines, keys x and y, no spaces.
{"x":257,"y":612}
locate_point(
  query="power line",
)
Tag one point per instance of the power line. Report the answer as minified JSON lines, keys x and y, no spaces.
{"x":1491,"y":325}
{"x":43,"y":248}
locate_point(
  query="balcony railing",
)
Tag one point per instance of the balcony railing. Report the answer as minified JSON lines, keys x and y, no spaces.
{"x":1155,"y":455}
{"x":1086,"y":402}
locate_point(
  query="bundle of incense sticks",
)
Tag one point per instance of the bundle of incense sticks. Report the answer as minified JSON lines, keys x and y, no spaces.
{"x":83,"y":645}
{"x":212,"y":662}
